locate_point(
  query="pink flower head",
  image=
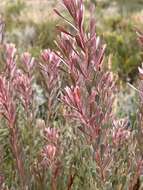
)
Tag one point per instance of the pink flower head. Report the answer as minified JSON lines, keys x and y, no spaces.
{"x":50,"y":68}
{"x":120,"y":132}
{"x":10,"y":50}
{"x":48,"y":56}
{"x":28,"y":61}
{"x":10,"y":59}
{"x":51,"y":134}
{"x":7,"y":106}
{"x":48,"y":153}
{"x":72,"y":97}
{"x":23,"y":85}
{"x":120,"y":135}
{"x":75,"y":9}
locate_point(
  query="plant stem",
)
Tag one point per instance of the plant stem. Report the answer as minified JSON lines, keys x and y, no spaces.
{"x":16,"y":152}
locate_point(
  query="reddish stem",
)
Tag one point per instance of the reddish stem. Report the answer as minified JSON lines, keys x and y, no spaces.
{"x":70,"y":182}
{"x":54,"y":183}
{"x":16,"y":152}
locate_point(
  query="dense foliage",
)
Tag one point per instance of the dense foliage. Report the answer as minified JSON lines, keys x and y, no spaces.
{"x":58,"y":127}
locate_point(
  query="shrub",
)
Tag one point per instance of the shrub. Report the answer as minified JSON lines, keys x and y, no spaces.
{"x":80,"y":144}
{"x":126,"y":55}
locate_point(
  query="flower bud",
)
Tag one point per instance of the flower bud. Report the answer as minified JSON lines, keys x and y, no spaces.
{"x":51,"y":134}
{"x":49,"y":152}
